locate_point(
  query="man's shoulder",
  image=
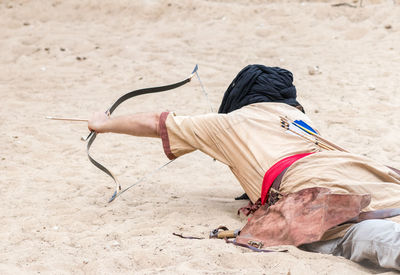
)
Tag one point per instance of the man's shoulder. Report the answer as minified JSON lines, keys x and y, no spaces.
{"x":270,"y":108}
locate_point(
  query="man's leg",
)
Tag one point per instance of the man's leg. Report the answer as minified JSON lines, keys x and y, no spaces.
{"x":323,"y":247}
{"x":377,"y":241}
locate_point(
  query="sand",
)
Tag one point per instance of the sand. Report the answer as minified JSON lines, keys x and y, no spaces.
{"x":71,"y":58}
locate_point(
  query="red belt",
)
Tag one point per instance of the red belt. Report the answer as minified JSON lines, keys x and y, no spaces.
{"x":274,"y":171}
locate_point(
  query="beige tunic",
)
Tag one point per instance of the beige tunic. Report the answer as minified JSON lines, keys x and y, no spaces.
{"x":250,"y":140}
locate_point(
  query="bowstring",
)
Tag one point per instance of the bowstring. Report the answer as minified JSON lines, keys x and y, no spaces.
{"x":116,"y":195}
{"x":204,"y":92}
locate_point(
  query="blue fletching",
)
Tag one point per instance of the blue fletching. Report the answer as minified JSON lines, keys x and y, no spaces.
{"x":305,"y":125}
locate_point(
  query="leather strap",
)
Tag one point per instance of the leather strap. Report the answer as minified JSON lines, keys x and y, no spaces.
{"x":188,"y":237}
{"x":377,"y":214}
{"x":234,"y":242}
{"x":273,"y":196}
{"x":277,"y":181}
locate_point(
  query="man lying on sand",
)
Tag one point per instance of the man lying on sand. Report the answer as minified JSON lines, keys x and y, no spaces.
{"x":253,"y":134}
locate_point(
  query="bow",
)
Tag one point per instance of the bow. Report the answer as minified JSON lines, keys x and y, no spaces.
{"x":92,"y":136}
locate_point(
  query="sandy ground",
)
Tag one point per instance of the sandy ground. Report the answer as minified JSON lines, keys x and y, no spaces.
{"x":74,"y":57}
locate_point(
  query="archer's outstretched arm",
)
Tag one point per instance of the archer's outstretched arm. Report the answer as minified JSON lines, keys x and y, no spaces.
{"x":140,"y":124}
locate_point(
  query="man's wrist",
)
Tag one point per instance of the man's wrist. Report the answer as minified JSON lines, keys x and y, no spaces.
{"x":108,"y":125}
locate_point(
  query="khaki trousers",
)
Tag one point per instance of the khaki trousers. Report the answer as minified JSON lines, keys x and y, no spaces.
{"x":374,"y":241}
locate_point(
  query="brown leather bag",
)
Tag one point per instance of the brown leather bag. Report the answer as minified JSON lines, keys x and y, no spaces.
{"x":301,"y":217}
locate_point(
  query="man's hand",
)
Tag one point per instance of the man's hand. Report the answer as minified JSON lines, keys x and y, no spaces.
{"x":98,"y":122}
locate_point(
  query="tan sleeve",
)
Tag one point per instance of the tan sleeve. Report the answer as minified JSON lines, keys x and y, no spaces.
{"x":184,"y":134}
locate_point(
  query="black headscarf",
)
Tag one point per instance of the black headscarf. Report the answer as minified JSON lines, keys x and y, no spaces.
{"x":258,"y":83}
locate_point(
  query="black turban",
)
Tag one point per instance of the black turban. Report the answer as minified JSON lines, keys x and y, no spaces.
{"x":258,"y":83}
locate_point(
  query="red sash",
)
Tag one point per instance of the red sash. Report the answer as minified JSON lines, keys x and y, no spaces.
{"x":274,"y":171}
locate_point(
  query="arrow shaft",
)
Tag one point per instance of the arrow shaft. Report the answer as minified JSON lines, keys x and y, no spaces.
{"x":66,"y":118}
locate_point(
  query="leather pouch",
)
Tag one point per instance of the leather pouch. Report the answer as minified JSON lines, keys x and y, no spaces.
{"x":301,"y":217}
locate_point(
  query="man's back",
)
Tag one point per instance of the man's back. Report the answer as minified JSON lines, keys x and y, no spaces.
{"x":249,"y":140}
